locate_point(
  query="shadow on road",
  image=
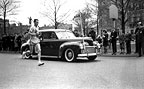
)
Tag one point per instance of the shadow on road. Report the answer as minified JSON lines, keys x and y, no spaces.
{"x":80,"y":60}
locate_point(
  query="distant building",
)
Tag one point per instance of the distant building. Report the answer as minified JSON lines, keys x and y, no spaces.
{"x":136,"y":14}
{"x":105,"y":22}
{"x":20,"y":29}
{"x":60,"y":26}
{"x":12,"y":28}
{"x":2,"y":26}
{"x":65,"y":26}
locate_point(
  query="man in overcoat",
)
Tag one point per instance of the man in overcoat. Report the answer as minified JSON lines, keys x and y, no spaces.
{"x":140,"y":35}
{"x":114,"y":41}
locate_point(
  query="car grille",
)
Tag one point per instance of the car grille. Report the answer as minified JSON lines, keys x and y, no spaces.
{"x":89,"y":49}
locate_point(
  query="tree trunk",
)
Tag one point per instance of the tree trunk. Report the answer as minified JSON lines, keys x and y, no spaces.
{"x":4,"y":22}
{"x":123,"y":18}
{"x":123,"y":22}
{"x":55,"y":19}
{"x":56,"y":25}
{"x":97,"y":26}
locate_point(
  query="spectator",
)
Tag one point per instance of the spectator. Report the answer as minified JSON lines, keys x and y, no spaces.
{"x":11,"y":42}
{"x":105,"y":40}
{"x":92,"y":34}
{"x":19,"y":42}
{"x":0,"y":44}
{"x":8,"y":42}
{"x":140,"y":37}
{"x":4,"y":47}
{"x":136,"y":36}
{"x":76,"y":33}
{"x":99,"y":40}
{"x":114,"y":41}
{"x":122,"y":42}
{"x":16,"y":43}
{"x":128,"y":42}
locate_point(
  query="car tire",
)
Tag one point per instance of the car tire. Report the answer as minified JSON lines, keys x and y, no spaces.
{"x":91,"y":58}
{"x":69,"y":55}
{"x":26,"y":53}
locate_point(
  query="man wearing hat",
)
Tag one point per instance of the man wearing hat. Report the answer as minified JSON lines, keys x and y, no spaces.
{"x":140,"y":39}
{"x":136,"y":36}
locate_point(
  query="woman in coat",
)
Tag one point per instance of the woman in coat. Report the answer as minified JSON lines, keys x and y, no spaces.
{"x":105,"y":40}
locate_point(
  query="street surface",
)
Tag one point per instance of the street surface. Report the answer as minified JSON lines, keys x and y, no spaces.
{"x":104,"y":73}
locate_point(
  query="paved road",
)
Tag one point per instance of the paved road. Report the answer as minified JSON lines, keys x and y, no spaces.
{"x":103,"y":73}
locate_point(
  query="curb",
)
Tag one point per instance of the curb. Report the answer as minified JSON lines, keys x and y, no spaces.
{"x":10,"y":52}
{"x":118,"y":55}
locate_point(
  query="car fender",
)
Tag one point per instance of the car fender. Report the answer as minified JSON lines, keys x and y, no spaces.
{"x":73,"y":45}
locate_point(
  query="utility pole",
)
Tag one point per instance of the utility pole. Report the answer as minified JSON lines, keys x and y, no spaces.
{"x":98,"y":18}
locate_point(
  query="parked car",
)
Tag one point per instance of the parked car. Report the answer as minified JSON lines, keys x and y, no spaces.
{"x":63,"y":44}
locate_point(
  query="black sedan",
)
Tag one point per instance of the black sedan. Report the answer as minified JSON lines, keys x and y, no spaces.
{"x":61,"y":43}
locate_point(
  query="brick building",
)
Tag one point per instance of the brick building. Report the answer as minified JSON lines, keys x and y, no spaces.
{"x":105,"y":22}
{"x":135,"y":13}
{"x":2,"y":26}
{"x":12,"y":28}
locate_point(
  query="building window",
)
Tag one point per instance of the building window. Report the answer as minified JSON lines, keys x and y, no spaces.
{"x":132,"y":19}
{"x":143,"y":5}
{"x":142,"y":16}
{"x":131,"y":6}
{"x":138,"y":19}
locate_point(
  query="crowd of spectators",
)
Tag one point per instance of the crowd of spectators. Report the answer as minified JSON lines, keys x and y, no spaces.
{"x":12,"y":42}
{"x":113,"y":41}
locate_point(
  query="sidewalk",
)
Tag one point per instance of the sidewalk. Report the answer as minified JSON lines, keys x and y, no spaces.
{"x":109,"y":53}
{"x":118,"y":55}
{"x":10,"y":52}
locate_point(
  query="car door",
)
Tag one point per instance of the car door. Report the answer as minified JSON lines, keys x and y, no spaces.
{"x":49,"y":44}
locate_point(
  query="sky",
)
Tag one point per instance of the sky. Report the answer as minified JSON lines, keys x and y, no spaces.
{"x":32,"y":8}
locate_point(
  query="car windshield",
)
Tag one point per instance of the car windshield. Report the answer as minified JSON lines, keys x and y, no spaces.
{"x":65,"y":35}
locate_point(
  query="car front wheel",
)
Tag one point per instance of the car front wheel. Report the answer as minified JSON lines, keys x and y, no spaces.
{"x":26,"y":54}
{"x":69,"y":55}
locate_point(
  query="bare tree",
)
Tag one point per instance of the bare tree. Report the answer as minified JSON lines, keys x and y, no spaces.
{"x":53,"y":12}
{"x":8,"y":7}
{"x":88,"y":18}
{"x":94,"y":11}
{"x":123,"y":9}
{"x":99,"y":8}
{"x":82,"y":18}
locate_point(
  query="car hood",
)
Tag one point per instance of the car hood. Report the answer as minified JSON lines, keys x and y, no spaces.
{"x":81,"y":38}
{"x":85,"y":39}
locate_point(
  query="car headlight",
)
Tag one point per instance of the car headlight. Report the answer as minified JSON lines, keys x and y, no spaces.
{"x":95,"y":43}
{"x":86,"y":43}
{"x":81,"y":46}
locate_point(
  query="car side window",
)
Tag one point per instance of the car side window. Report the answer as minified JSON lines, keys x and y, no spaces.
{"x":46,"y":35}
{"x":49,"y":35}
{"x":53,"y":36}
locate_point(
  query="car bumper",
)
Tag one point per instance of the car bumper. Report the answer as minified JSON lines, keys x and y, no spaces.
{"x":87,"y":54}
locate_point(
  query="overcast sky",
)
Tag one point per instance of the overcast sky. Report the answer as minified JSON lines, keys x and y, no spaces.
{"x":34,"y":7}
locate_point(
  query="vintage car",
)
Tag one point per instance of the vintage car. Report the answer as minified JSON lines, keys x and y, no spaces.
{"x":63,"y":44}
